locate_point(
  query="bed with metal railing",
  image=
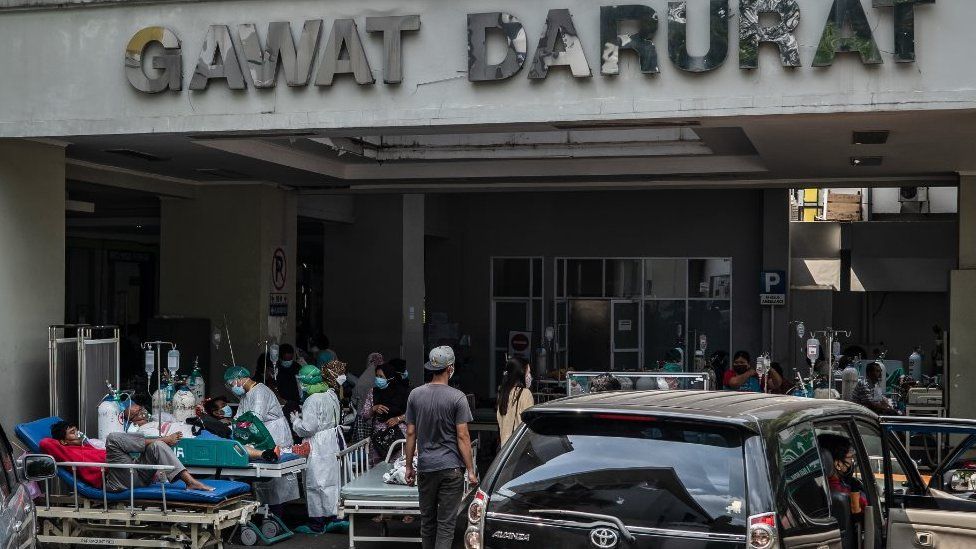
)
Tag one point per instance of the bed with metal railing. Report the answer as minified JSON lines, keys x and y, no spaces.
{"x":163,"y":514}
{"x":364,"y":491}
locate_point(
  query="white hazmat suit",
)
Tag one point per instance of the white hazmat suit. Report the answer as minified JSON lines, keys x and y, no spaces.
{"x":319,"y":423}
{"x":262,"y":401}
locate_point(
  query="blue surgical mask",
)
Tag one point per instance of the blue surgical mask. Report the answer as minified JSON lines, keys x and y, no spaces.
{"x":406,"y":375}
{"x":228,"y":411}
{"x":238,"y":390}
{"x":287,"y":363}
{"x":381,"y":382}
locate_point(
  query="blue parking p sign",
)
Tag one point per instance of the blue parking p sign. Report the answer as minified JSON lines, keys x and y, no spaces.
{"x":772,"y":288}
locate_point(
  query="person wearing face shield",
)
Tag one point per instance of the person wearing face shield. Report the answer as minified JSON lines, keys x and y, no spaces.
{"x":318,"y":423}
{"x":262,"y":402}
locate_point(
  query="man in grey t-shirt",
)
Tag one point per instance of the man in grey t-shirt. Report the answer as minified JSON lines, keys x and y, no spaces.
{"x":437,"y":425}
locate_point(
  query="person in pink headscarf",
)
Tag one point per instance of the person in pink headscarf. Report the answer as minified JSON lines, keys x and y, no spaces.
{"x":362,"y":390}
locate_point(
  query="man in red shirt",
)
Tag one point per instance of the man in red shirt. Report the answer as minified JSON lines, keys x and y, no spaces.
{"x":66,"y":444}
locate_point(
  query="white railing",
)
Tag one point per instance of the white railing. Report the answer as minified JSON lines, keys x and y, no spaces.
{"x":579,"y":382}
{"x":353,"y":461}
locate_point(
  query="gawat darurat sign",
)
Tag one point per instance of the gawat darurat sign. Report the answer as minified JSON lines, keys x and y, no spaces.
{"x":846,"y":30}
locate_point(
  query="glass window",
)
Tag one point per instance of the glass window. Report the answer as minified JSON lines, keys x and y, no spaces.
{"x":510,"y":277}
{"x":510,"y":316}
{"x":714,"y":320}
{"x":623,"y":278}
{"x":664,"y":321}
{"x":584,"y":277}
{"x":665,"y":278}
{"x":647,"y":473}
{"x":802,"y":476}
{"x":710,"y":278}
{"x":537,"y":272}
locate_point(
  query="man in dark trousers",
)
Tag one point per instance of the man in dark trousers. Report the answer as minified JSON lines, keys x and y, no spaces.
{"x":437,"y":426}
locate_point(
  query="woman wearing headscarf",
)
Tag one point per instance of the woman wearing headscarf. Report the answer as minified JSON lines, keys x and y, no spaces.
{"x":362,"y":427}
{"x":318,"y":423}
{"x":386,"y":404}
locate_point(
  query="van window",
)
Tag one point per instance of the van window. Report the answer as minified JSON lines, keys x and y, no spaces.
{"x":802,"y":477}
{"x":647,"y":472}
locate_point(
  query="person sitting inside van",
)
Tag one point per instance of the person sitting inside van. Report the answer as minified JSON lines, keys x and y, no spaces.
{"x":840,"y":476}
{"x":67,"y":444}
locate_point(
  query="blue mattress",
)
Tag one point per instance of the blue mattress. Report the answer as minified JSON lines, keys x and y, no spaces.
{"x":32,"y":433}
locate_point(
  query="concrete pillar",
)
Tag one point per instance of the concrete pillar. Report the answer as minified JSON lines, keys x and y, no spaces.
{"x":217,"y":253}
{"x":32,"y":245}
{"x":961,"y":374}
{"x":776,"y":257}
{"x":414,"y":288}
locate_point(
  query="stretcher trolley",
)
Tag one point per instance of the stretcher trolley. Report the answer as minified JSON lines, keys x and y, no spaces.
{"x":269,"y":529}
{"x":159,"y":515}
{"x":364,"y":492}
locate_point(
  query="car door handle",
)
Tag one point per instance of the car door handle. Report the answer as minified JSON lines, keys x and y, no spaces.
{"x":925,"y":539}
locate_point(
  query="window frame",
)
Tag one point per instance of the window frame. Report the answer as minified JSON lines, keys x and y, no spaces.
{"x":807,"y":523}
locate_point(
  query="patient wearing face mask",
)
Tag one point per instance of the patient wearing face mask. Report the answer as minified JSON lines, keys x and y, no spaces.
{"x":386,"y":404}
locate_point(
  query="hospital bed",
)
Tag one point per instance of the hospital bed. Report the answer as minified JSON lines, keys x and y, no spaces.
{"x":159,"y":515}
{"x":364,"y":492}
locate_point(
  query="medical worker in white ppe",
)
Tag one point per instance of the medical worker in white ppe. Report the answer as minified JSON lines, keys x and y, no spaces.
{"x":258,"y":398}
{"x":318,"y":424}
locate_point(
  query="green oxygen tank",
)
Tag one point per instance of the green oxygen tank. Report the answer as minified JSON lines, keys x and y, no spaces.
{"x":195,"y":381}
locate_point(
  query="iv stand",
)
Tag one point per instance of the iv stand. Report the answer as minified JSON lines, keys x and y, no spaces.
{"x":159,"y":373}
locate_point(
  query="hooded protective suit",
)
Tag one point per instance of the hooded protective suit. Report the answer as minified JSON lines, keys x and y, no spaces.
{"x":263,"y":402}
{"x":319,"y":423}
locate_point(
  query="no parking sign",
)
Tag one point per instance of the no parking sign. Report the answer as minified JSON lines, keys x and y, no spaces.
{"x":519,"y":344}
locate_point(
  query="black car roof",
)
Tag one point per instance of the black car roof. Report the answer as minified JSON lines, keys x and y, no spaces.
{"x":751,"y":410}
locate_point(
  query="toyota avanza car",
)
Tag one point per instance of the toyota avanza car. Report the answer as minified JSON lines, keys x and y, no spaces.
{"x":717,"y":470}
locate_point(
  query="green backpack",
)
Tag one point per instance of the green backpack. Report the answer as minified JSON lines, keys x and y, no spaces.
{"x":250,"y":431}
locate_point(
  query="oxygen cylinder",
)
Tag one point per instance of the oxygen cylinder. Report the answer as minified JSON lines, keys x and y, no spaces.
{"x":541,"y":363}
{"x":196,"y":383}
{"x":160,"y":400}
{"x":109,"y":416}
{"x":184,"y":404}
{"x":849,"y":379}
{"x":915,"y":364}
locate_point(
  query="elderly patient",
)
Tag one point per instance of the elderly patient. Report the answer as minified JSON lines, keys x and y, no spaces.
{"x":66,"y":444}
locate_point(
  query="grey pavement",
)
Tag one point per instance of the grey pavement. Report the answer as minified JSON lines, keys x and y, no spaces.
{"x":341,"y":541}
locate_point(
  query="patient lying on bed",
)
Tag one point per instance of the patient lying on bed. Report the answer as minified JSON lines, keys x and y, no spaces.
{"x":65,"y":444}
{"x":139,"y":419}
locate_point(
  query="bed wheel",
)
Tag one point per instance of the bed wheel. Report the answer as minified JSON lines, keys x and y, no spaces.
{"x":270,"y":529}
{"x":248,"y":536}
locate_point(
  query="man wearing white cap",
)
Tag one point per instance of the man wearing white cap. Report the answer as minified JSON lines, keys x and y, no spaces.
{"x":437,"y":423}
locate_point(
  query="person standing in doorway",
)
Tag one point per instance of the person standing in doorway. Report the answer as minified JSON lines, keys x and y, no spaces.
{"x":437,"y":425}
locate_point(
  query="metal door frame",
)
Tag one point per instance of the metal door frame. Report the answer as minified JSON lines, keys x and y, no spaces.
{"x":613,"y":332}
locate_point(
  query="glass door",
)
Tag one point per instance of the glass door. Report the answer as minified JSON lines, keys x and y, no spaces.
{"x":625,"y":321}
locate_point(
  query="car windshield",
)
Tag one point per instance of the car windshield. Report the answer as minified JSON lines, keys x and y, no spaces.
{"x":648,"y":472}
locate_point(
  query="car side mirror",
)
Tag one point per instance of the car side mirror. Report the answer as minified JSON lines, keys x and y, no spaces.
{"x":960,"y":480}
{"x":39,"y":467}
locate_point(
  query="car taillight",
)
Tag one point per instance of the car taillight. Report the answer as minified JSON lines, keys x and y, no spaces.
{"x":477,"y":508}
{"x":476,"y":516}
{"x":762,"y":531}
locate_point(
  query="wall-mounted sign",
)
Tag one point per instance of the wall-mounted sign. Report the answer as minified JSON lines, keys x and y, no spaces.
{"x":519,"y":344}
{"x":846,"y":30}
{"x":279,"y":269}
{"x":772,"y":288}
{"x":279,"y":305}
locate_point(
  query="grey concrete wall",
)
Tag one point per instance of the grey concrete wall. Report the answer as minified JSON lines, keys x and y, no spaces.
{"x":32,"y":233}
{"x":962,"y":314}
{"x":623,"y":224}
{"x":776,"y":257}
{"x":215,"y":262}
{"x":97,"y":99}
{"x":364,"y":281}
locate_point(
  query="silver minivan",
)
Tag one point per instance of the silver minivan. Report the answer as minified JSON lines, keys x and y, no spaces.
{"x":17,"y":515}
